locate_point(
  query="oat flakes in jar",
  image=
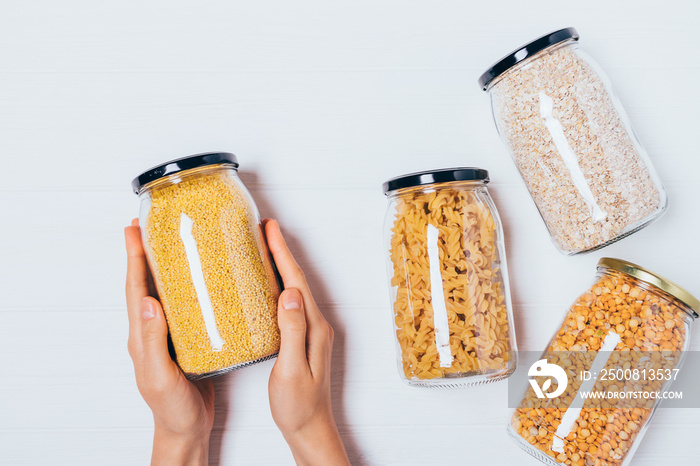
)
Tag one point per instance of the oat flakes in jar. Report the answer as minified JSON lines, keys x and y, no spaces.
{"x":593,"y":392}
{"x":448,"y":280}
{"x":572,"y":142}
{"x":210,"y":265}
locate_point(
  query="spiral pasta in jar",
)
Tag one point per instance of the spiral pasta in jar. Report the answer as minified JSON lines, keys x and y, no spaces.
{"x":448,"y":279}
{"x":618,"y":351}
{"x":209,"y":262}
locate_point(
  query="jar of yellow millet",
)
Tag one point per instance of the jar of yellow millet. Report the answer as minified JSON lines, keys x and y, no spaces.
{"x":594,"y":390}
{"x":210,"y":264}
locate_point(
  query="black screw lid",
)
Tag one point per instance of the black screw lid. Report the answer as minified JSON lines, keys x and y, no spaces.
{"x":527,"y":50}
{"x":444,"y":175}
{"x":184,"y":163}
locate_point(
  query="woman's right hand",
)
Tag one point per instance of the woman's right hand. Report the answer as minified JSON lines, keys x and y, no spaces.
{"x":300,"y":381}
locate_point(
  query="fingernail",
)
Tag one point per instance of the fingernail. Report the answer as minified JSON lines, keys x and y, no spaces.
{"x":291,"y":300}
{"x":148,"y":309}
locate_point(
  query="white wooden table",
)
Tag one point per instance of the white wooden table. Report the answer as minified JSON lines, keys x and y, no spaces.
{"x":322,"y":102}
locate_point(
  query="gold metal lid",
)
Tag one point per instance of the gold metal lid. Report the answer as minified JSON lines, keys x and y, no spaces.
{"x":664,"y":284}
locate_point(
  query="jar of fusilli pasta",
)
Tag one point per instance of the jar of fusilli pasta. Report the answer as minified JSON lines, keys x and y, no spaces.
{"x":448,"y":279}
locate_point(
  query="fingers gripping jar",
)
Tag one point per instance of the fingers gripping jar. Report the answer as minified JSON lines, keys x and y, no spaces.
{"x":210,"y":265}
{"x":629,"y":333}
{"x":448,"y":279}
{"x":555,"y":110}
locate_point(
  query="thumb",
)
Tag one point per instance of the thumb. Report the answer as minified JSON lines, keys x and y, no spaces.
{"x":154,"y":339}
{"x":292,"y":323}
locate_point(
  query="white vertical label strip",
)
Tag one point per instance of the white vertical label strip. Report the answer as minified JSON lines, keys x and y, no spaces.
{"x":217,"y":343}
{"x":567,"y":154}
{"x":573,"y":411}
{"x":437,"y":298}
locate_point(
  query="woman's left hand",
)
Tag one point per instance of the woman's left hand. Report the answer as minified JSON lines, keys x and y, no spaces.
{"x":183,"y":411}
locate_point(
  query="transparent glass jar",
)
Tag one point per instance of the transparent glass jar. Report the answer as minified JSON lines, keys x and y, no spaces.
{"x":622,"y":341}
{"x":210,"y":264}
{"x":448,"y":279}
{"x":573,"y":144}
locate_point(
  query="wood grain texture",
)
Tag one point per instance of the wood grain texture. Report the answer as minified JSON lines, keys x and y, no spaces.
{"x":322,"y":102}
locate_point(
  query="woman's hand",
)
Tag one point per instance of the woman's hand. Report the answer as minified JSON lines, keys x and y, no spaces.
{"x":300,"y":382}
{"x":183,"y":411}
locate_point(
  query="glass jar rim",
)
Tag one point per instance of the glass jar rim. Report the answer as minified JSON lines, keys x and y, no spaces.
{"x":524,"y":52}
{"x":662,"y":283}
{"x":182,"y":164}
{"x":428,"y":177}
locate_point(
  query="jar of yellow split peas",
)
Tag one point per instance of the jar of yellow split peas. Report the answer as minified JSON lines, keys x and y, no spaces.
{"x":210,"y":264}
{"x":595,"y":389}
{"x":448,"y":279}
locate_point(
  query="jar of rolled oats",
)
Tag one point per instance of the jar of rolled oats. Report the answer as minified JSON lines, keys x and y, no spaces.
{"x":593,"y":392}
{"x":448,"y":279}
{"x":210,"y":264}
{"x":573,"y":144}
